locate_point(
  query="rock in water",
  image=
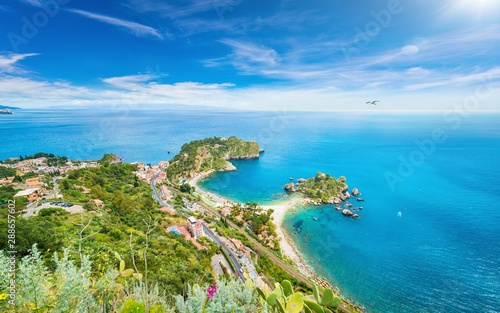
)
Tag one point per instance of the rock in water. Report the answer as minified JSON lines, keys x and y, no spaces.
{"x":290,"y":187}
{"x":347,"y":212}
{"x":355,"y":192}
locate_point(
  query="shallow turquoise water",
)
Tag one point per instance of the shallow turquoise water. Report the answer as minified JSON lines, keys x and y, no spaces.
{"x":441,"y":255}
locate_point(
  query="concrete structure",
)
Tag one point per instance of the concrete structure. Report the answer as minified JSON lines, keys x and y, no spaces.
{"x":195,"y":227}
{"x":31,"y":193}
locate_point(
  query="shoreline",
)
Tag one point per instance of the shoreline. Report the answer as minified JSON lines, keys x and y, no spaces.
{"x":280,"y":207}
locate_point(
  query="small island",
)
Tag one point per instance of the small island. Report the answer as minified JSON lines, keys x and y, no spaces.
{"x":7,"y":110}
{"x":210,"y":154}
{"x":325,"y":189}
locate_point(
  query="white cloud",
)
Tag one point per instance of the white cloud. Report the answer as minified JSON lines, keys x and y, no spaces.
{"x":143,"y":91}
{"x":487,"y":78}
{"x":8,"y":62}
{"x":134,"y":28}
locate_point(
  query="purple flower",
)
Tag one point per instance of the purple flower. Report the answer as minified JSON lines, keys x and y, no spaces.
{"x":211,"y":290}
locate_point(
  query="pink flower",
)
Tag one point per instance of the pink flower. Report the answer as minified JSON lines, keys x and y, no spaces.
{"x":211,"y":290}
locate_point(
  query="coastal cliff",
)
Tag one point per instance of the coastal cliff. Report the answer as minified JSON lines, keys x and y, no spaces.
{"x":210,"y":154}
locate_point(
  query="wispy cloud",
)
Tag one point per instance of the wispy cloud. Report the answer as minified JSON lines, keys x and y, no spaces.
{"x":246,"y":52}
{"x":35,"y":3}
{"x":8,"y":63}
{"x":134,"y":28}
{"x":459,"y":80}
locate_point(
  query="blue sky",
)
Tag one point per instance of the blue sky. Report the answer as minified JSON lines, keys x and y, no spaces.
{"x":259,"y":55}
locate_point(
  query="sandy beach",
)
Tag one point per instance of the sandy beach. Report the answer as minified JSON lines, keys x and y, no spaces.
{"x":280,"y":209}
{"x":287,"y":246}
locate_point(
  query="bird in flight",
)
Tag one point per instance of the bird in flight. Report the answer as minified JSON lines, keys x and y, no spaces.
{"x":373,"y":102}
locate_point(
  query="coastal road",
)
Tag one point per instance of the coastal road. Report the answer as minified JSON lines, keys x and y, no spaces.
{"x":207,"y":230}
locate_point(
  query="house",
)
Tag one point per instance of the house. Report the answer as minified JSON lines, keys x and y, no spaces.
{"x":31,"y":193}
{"x":241,"y":247}
{"x":7,"y":180}
{"x":195,"y":227}
{"x":33,"y":182}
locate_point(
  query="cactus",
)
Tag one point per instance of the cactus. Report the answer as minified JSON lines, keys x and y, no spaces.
{"x":125,"y":273}
{"x":284,"y":300}
{"x":132,"y":306}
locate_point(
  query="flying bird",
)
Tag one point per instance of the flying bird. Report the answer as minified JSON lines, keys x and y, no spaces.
{"x":373,"y":102}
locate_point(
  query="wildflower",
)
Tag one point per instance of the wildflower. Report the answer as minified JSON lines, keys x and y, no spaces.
{"x":211,"y":290}
{"x":3,"y":296}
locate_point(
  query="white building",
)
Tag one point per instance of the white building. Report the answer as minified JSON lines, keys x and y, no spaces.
{"x":195,"y":227}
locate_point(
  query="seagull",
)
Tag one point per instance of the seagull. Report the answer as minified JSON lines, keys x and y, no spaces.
{"x":373,"y":102}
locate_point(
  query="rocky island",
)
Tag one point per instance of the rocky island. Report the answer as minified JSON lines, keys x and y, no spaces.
{"x":210,"y":154}
{"x":325,"y":189}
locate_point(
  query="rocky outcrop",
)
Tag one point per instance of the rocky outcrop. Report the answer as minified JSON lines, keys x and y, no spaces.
{"x":290,"y":187}
{"x":302,"y":180}
{"x":244,"y":157}
{"x":347,"y":212}
{"x":355,"y":192}
{"x":355,"y":216}
{"x":229,"y":167}
{"x":335,"y":200}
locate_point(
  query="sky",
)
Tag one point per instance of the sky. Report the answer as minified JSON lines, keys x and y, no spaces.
{"x":332,"y":55}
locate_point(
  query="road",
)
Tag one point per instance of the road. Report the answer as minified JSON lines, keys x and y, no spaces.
{"x":207,"y":230}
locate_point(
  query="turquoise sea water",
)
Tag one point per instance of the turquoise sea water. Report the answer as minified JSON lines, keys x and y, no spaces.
{"x":441,"y":255}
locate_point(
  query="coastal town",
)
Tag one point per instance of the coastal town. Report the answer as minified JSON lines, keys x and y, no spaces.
{"x":252,"y":232}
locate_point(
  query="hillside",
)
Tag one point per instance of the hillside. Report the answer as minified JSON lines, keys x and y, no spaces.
{"x":210,"y":154}
{"x":322,"y":188}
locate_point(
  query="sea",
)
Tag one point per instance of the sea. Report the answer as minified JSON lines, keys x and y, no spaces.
{"x":428,"y":236}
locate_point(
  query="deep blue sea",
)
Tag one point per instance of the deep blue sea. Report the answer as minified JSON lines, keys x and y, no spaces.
{"x":428,"y":239}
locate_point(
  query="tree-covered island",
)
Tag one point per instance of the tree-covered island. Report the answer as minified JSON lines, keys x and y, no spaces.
{"x":324,"y":188}
{"x":210,"y":154}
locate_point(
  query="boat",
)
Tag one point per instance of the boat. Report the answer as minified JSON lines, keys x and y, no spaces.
{"x":315,"y":219}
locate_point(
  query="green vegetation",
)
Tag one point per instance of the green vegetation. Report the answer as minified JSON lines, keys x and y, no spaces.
{"x":210,"y":154}
{"x":258,"y":221}
{"x":71,"y":285}
{"x":110,"y":158}
{"x":274,"y":273}
{"x":129,"y":222}
{"x":52,"y":211}
{"x":7,"y":172}
{"x":52,"y":160}
{"x":322,"y":187}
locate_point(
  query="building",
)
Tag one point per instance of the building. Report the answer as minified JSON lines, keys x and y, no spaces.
{"x":31,"y":193}
{"x":195,"y":227}
{"x":33,"y":182}
{"x":7,"y":180}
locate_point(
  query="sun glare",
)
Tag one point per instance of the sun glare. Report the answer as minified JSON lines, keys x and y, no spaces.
{"x":477,"y":8}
